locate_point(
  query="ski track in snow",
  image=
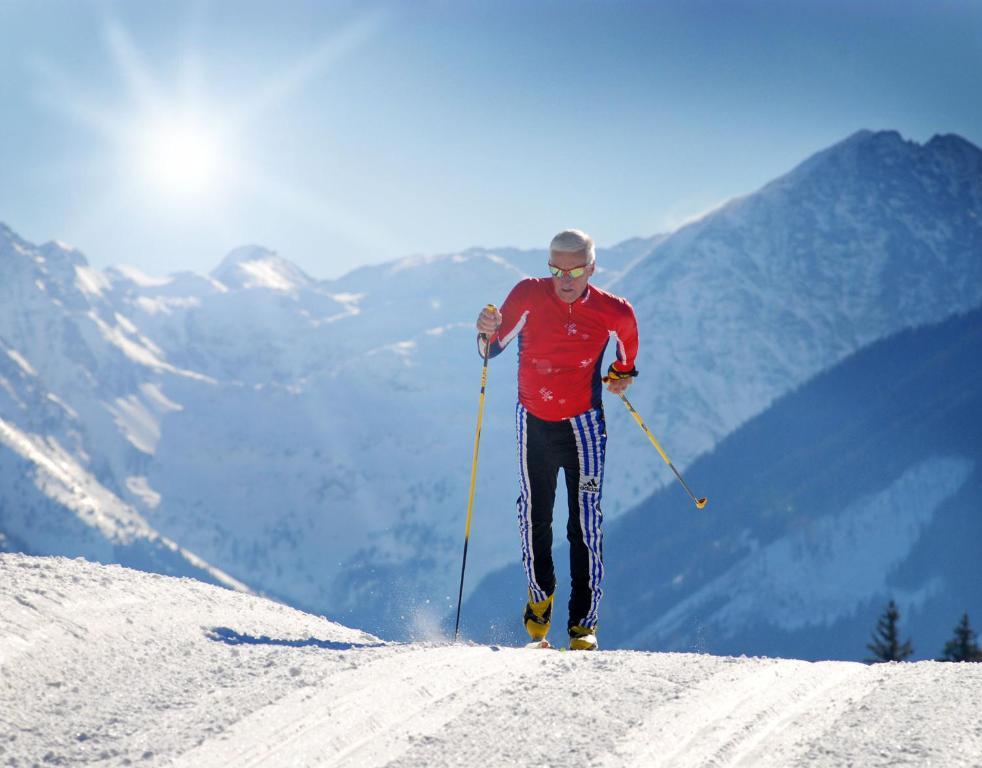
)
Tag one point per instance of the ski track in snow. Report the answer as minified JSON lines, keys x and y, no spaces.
{"x":101,"y":665}
{"x":358,"y":721}
{"x":727,"y":721}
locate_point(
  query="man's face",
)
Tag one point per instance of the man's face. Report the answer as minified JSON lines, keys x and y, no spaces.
{"x":569,"y":289}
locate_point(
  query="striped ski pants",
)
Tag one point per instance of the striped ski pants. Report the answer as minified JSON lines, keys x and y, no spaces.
{"x":576,"y":446}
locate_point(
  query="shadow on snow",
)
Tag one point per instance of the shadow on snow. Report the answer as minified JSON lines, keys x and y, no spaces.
{"x":230,"y":636}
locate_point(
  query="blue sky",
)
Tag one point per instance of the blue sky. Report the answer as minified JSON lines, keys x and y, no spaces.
{"x":343,"y":133}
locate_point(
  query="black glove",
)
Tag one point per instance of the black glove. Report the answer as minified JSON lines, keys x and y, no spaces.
{"x":613,"y":373}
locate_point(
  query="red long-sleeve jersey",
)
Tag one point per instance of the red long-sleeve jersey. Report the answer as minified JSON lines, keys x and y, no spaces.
{"x":561,"y":346}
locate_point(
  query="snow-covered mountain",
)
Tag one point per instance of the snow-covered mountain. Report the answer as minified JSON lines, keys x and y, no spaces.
{"x":860,"y":487}
{"x":313,"y":438}
{"x":80,"y":404}
{"x":101,"y":664}
{"x":867,"y":237}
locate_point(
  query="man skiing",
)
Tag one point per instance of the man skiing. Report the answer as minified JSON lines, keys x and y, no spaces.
{"x":563,"y":325}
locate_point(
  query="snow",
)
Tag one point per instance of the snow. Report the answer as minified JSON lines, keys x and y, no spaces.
{"x":90,"y":281}
{"x":101,"y":664}
{"x":157,"y":399}
{"x":25,"y":366}
{"x":80,"y":515}
{"x":137,"y":352}
{"x":63,"y":479}
{"x":350,"y":303}
{"x":139,"y":277}
{"x":252,"y":266}
{"x":163,"y":306}
{"x":136,"y":423}
{"x":265,"y":275}
{"x":138,"y":416}
{"x":139,"y":486}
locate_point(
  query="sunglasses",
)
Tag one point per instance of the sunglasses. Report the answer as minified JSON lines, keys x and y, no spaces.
{"x":573,"y":273}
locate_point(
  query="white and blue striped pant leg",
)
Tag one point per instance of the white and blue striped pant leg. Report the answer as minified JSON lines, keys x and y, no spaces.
{"x":524,"y":504}
{"x":586,"y":554}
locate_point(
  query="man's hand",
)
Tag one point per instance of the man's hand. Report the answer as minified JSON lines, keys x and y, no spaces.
{"x":489,"y":320}
{"x":618,"y":381}
{"x":618,"y":386}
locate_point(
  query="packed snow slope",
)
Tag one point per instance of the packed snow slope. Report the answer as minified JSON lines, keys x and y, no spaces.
{"x":107,"y":666}
{"x":862,"y":486}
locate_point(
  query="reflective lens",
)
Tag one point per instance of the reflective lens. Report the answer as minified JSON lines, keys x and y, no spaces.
{"x":574,"y":273}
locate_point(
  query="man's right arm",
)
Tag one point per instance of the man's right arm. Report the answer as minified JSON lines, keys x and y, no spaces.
{"x":500,"y":327}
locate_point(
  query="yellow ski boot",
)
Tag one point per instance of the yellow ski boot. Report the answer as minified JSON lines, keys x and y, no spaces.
{"x":583,"y":638}
{"x":538,"y":617}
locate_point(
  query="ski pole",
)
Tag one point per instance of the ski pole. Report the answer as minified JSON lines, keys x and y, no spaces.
{"x":700,"y":502}
{"x":470,"y":496}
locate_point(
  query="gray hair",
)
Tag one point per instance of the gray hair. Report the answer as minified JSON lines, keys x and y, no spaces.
{"x":573,"y":240}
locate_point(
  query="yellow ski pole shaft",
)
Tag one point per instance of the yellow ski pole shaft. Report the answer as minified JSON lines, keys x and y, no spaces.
{"x":470,"y":495}
{"x":699,"y":502}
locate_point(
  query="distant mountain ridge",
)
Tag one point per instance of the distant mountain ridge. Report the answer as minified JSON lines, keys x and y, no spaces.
{"x":312,"y":438}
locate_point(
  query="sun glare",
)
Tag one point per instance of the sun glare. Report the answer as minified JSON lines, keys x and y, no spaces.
{"x":177,"y":150}
{"x":181,"y":158}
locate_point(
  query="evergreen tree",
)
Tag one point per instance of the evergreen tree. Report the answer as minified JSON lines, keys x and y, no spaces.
{"x":963,"y":646}
{"x":886,"y":645}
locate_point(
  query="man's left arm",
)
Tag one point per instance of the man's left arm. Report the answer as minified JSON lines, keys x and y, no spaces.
{"x":621,"y":372}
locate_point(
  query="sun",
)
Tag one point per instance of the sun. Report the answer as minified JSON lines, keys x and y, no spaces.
{"x":180,"y":149}
{"x":182,"y":158}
